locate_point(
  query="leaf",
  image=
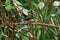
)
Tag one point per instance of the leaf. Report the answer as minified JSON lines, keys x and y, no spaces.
{"x":43,"y":34}
{"x":35,"y":4}
{"x":17,"y":2}
{"x":8,"y":7}
{"x":25,"y":11}
{"x":7,"y":2}
{"x":36,"y":1}
{"x":38,"y":34}
{"x":24,"y":38}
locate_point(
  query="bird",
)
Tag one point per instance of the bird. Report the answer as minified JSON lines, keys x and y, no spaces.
{"x":27,"y":18}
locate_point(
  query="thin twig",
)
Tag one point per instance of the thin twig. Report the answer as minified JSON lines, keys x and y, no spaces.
{"x":13,"y":34}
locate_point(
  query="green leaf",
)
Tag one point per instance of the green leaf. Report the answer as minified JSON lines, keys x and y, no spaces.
{"x":24,"y":38}
{"x":43,"y":34}
{"x":38,"y":34}
{"x":7,"y":2}
{"x":8,"y":7}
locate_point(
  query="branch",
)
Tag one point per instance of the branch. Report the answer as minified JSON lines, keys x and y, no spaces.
{"x":2,"y":5}
{"x":42,"y":24}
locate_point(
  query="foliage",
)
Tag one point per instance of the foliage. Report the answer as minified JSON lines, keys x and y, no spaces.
{"x":41,"y":11}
